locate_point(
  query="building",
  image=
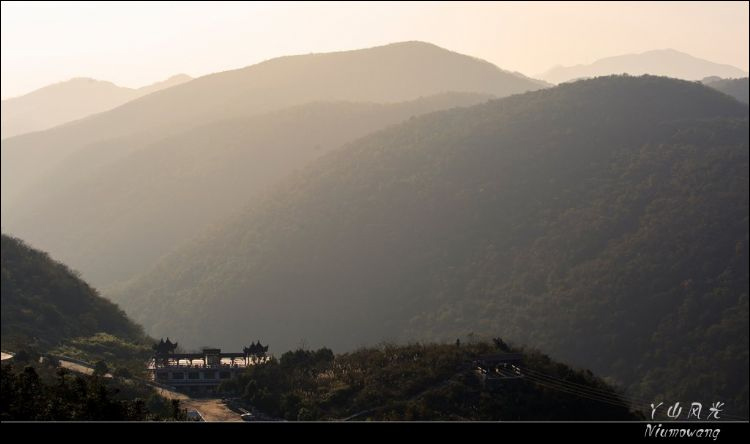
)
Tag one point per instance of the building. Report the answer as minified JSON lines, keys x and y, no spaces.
{"x":493,"y":370}
{"x":200,"y":372}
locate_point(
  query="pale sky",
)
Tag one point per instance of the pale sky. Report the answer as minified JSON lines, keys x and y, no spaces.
{"x":134,"y":44}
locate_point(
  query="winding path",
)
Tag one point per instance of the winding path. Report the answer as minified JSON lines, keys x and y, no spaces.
{"x":212,"y":409}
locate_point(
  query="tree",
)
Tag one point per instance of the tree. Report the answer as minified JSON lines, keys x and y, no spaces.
{"x":122,"y":372}
{"x":178,"y":414}
{"x":501,"y":345}
{"x":101,"y":368}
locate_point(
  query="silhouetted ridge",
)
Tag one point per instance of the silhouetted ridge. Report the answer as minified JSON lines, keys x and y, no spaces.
{"x":45,"y":304}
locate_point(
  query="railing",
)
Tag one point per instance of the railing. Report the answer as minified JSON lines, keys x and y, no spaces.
{"x":180,"y":382}
{"x":154,"y":383}
{"x":198,"y":366}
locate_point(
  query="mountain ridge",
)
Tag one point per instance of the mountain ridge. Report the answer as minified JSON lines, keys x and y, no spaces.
{"x":473,"y":219}
{"x":105,"y":207}
{"x":70,"y":100}
{"x":666,"y":62}
{"x":737,"y":88}
{"x":381,"y":74}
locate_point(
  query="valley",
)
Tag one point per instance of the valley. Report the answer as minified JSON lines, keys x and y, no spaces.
{"x":415,"y":228}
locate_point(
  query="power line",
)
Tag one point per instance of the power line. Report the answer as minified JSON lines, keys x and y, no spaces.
{"x":593,"y":392}
{"x":583,"y":387}
{"x":579,"y":394}
{"x":633,"y":400}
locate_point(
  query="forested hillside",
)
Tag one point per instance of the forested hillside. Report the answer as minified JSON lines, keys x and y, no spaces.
{"x":47,"y":307}
{"x":603,"y":221}
{"x":426,"y":382}
{"x":137,"y":208}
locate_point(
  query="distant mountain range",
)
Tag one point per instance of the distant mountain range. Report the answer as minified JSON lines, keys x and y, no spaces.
{"x":737,"y":88}
{"x":209,"y":145}
{"x":68,"y":101}
{"x":663,"y":62}
{"x":598,"y":220}
{"x":407,"y":192}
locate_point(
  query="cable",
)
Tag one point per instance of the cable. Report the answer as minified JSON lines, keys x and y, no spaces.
{"x":566,"y":390}
{"x":594,"y":390}
{"x":581,"y":395}
{"x":644,"y":404}
{"x":555,"y":386}
{"x":572,"y":386}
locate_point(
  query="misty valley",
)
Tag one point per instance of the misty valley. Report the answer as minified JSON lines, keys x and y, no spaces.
{"x":395,"y":233}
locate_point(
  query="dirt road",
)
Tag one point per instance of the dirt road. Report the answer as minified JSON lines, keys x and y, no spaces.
{"x":212,"y":409}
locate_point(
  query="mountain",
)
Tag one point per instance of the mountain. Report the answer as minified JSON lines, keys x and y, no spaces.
{"x":62,"y":174}
{"x":45,"y":304}
{"x":393,"y":73}
{"x":138,"y":208}
{"x":164,"y":84}
{"x":603,"y":221}
{"x":68,"y":101}
{"x":737,"y":88}
{"x":662,"y":62}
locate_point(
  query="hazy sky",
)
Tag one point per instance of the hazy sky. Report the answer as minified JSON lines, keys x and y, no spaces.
{"x":134,"y":44}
